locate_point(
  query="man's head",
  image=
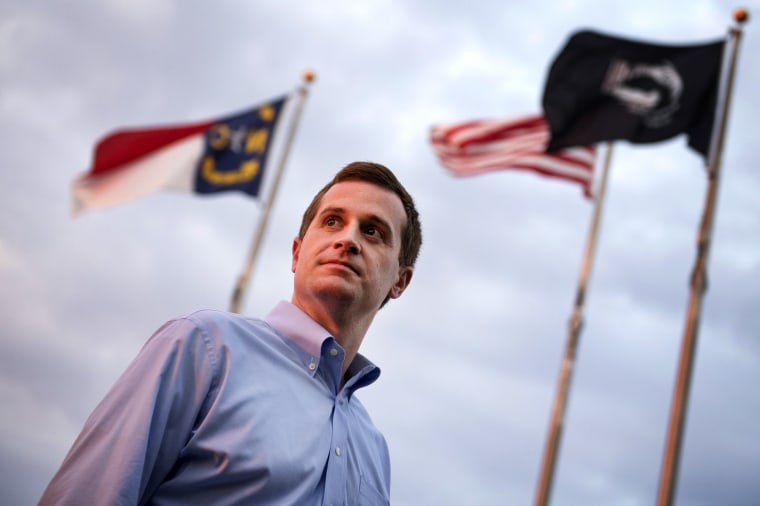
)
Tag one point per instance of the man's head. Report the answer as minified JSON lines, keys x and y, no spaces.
{"x":381,"y":176}
{"x":358,"y":241}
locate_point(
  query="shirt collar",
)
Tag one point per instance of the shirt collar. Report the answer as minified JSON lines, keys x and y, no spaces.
{"x":309,"y":336}
{"x":298,"y":327}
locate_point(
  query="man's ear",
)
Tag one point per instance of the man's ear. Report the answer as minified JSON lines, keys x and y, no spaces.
{"x":404,"y":277}
{"x":294,"y":252}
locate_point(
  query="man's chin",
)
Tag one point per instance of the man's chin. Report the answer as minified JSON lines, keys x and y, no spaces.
{"x":336,"y":288}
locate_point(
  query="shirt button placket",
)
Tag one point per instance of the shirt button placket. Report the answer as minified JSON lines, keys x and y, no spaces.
{"x":339,"y":440}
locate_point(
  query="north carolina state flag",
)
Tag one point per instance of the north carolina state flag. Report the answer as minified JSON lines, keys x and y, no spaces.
{"x":226,"y":154}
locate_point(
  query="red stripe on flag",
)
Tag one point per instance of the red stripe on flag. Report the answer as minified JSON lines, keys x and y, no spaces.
{"x":126,"y":146}
{"x":474,"y":147}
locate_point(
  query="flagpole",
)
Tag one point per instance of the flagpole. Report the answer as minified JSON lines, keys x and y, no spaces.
{"x":548,"y":465}
{"x":671,"y":458}
{"x":245,"y":275}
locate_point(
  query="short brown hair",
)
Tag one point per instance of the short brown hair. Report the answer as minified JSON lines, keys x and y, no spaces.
{"x":374,"y":173}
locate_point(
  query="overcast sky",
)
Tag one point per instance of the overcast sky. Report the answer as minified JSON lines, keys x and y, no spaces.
{"x":471,"y":353}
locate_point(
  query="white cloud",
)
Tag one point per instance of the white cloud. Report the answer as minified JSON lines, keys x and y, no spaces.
{"x":142,"y":14}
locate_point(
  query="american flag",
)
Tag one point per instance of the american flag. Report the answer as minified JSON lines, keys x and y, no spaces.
{"x":473,"y":147}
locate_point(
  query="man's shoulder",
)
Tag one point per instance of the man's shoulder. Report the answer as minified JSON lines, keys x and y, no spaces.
{"x":204,"y":316}
{"x":215,"y":320}
{"x":218,"y":331}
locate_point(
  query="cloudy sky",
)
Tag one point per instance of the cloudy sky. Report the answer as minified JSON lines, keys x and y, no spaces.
{"x":471,"y":353}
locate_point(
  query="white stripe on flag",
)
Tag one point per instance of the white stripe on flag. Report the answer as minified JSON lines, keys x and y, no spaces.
{"x":475,"y":147}
{"x":170,"y":168}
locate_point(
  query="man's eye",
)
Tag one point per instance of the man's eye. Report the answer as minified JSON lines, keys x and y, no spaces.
{"x":331,"y":221}
{"x":374,"y":232}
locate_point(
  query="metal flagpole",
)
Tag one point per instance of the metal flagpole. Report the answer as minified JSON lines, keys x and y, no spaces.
{"x":576,"y":321}
{"x":245,"y":275}
{"x":669,"y":473}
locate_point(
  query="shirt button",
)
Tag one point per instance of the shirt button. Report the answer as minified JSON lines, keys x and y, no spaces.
{"x":312,"y":366}
{"x":337,"y":451}
{"x":333,"y":352}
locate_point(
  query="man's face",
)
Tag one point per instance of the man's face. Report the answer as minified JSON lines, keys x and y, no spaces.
{"x":349,"y":254}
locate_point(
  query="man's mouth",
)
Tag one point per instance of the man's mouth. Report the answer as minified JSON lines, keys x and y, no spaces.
{"x":345,"y":265}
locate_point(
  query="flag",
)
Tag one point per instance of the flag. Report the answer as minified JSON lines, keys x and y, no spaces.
{"x":604,"y":88}
{"x":226,"y":154}
{"x":478,"y":146}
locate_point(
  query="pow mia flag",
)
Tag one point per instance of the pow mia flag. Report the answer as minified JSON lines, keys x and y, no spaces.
{"x":603,"y":88}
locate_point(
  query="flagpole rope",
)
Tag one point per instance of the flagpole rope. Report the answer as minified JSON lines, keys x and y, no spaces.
{"x":238,"y":293}
{"x":546,"y":478}
{"x":673,"y":443}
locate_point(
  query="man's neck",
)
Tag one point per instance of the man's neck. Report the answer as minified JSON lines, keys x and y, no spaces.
{"x":342,"y":323}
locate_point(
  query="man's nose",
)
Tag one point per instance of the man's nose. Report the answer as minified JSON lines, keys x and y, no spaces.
{"x":348,"y":239}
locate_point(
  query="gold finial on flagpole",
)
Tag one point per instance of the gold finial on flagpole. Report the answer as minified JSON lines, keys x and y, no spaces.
{"x":741,"y":15}
{"x":308,"y":76}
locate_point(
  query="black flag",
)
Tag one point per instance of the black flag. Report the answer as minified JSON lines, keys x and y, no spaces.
{"x":603,"y":88}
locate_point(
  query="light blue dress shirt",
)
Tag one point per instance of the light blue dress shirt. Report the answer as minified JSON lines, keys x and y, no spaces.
{"x":220,"y":409}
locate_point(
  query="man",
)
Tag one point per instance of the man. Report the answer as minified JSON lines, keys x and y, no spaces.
{"x":218,"y":408}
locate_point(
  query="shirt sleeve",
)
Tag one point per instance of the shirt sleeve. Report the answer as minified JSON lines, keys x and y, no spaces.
{"x":133,"y":437}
